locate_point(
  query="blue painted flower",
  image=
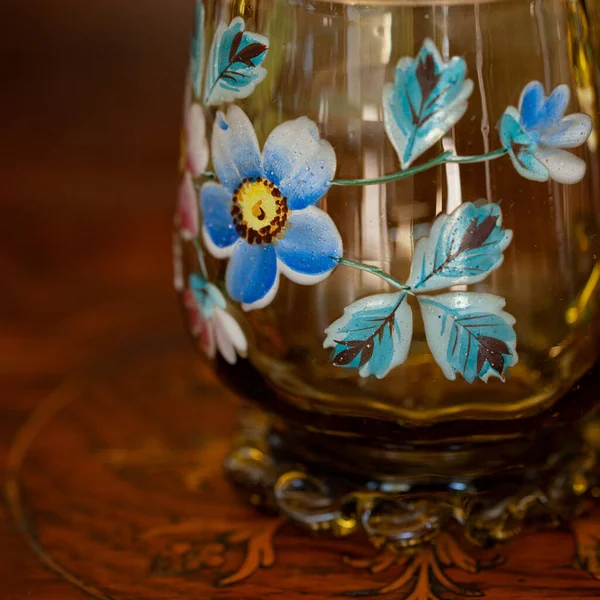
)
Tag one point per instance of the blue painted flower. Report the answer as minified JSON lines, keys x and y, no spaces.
{"x":262,"y":212}
{"x":537,"y":132}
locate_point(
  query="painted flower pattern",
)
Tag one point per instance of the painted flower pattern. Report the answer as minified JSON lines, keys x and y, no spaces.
{"x":186,"y":217}
{"x":426,"y":99}
{"x":195,"y":149}
{"x":537,"y":134}
{"x":178,"y":269}
{"x":467,"y":332}
{"x":262,"y":214}
{"x":373,"y":335}
{"x":234,"y":65}
{"x":211,"y":323}
{"x":259,"y":210}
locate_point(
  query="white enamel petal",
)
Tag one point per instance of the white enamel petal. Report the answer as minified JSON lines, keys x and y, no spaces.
{"x":235,"y":149}
{"x":299,"y":162}
{"x":571,"y":132}
{"x":232,"y":330}
{"x":301,"y":278}
{"x":198,"y":151}
{"x":563,"y":166}
{"x":187,"y":208}
{"x":224,"y":344}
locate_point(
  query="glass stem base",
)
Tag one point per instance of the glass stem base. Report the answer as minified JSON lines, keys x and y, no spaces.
{"x":402,"y":512}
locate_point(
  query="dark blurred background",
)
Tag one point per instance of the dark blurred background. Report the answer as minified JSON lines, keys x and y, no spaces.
{"x":91,"y":99}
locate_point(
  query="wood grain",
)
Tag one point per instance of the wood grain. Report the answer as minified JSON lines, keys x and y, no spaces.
{"x":110,"y":432}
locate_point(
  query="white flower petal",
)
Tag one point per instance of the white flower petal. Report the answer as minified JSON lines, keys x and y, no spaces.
{"x":563,"y":166}
{"x":299,"y":162}
{"x":232,"y":330}
{"x":224,"y":343}
{"x":197,"y":144}
{"x":571,"y":132}
{"x":187,"y":208}
{"x":235,"y":150}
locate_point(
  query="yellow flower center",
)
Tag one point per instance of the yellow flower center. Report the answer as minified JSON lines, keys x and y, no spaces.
{"x":258,"y":210}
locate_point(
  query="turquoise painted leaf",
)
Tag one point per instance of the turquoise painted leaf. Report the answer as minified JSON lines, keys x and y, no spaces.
{"x":427,"y":98}
{"x":470,"y":334}
{"x":197,"y":61}
{"x":463,"y":247}
{"x":373,"y":335}
{"x":234,"y":65}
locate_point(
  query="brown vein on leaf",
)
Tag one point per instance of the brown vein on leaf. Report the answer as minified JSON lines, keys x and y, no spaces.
{"x":475,"y":237}
{"x":246,"y":54}
{"x":367,"y":346}
{"x":491,"y":350}
{"x":427,"y":76}
{"x":235,"y":44}
{"x":477,"y":233}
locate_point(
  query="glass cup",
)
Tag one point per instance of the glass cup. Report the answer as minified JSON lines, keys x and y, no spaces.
{"x":386,"y":240}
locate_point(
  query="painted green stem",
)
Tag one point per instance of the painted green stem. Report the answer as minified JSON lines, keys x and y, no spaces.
{"x":446,"y":157}
{"x":442,"y":159}
{"x":374,"y":271}
{"x":201,"y":261}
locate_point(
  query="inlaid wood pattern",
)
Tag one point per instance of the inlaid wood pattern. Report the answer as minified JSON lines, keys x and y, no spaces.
{"x":115,"y":481}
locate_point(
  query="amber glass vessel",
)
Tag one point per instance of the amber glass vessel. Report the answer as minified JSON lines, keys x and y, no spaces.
{"x":387,"y":241}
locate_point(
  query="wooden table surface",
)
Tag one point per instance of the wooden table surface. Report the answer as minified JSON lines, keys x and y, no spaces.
{"x":90,"y":101}
{"x":110,"y":432}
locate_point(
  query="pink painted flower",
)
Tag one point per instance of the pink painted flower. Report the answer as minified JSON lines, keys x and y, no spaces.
{"x":211,"y":323}
{"x":199,"y":326}
{"x":196,"y":145}
{"x":178,"y":278}
{"x":187,"y":208}
{"x":196,"y":153}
